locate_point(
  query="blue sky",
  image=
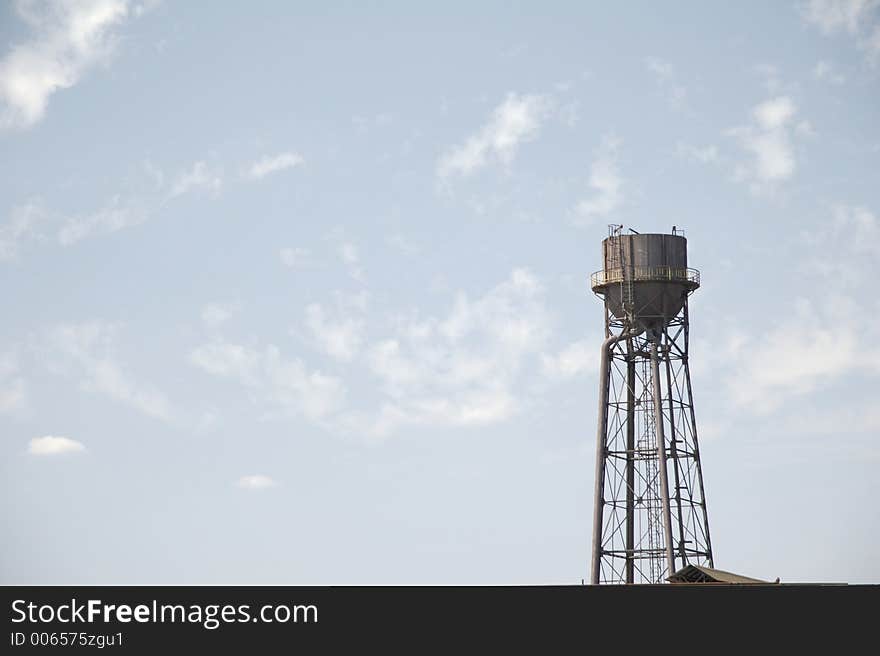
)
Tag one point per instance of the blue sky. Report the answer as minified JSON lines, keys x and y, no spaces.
{"x":298,"y":293}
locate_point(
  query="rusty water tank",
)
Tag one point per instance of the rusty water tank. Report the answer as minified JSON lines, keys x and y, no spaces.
{"x":645,"y":279}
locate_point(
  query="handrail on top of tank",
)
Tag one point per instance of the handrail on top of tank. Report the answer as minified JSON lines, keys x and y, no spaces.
{"x":646,"y":274}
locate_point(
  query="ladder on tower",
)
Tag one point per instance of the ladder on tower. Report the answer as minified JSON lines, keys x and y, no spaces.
{"x":648,"y":448}
{"x":627,"y":297}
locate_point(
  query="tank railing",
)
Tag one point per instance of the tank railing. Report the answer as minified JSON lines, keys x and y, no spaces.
{"x":652,"y":274}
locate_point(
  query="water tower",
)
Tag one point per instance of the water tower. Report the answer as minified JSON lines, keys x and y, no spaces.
{"x":649,"y":517}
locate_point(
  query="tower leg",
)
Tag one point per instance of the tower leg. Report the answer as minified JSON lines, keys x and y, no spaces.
{"x":599,"y":499}
{"x":630,"y":461}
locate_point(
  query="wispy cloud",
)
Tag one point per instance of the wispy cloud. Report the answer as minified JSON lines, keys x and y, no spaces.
{"x":86,"y":351}
{"x":255,"y":482}
{"x":348,"y":253}
{"x":855,"y":18}
{"x":294,"y":257}
{"x":364,"y":124}
{"x":272,"y":164}
{"x":215,"y":314}
{"x":466,"y":367}
{"x":703,"y":154}
{"x":769,"y":141}
{"x":12,"y":384}
{"x":770,"y":76}
{"x":460,"y":369}
{"x":844,"y":248}
{"x":126,"y":211}
{"x":575,"y":359}
{"x":818,"y":340}
{"x":479,"y":363}
{"x":403,"y":244}
{"x":825,"y":71}
{"x":339,"y":337}
{"x":68,"y":38}
{"x":605,"y":182}
{"x":516,"y":120}
{"x":666,"y":78}
{"x":31,"y":221}
{"x":199,"y":177}
{"x":789,"y":361}
{"x":283,"y":383}
{"x":21,"y":228}
{"x":859,"y":227}
{"x":833,"y":15}
{"x":51,"y":445}
{"x":117,"y":214}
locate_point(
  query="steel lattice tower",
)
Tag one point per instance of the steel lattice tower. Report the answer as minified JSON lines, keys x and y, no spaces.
{"x":649,"y":517}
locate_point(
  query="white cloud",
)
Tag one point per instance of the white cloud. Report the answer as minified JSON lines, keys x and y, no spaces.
{"x":855,"y":18}
{"x":215,"y":314}
{"x":340,"y":339}
{"x":272,"y":164}
{"x":403,"y":244}
{"x":575,"y":359}
{"x":859,"y":227}
{"x":845,"y":248}
{"x":662,"y":69}
{"x":294,"y":257}
{"x":774,"y":114}
{"x":516,"y":120}
{"x":825,"y":71}
{"x":471,"y":366}
{"x":255,"y":482}
{"x":871,"y":45}
{"x":348,"y":253}
{"x":86,"y":350}
{"x":29,"y":221}
{"x":605,"y":182}
{"x":145,"y":6}
{"x":12,"y":385}
{"x":21,"y":227}
{"x":799,"y":354}
{"x":838,"y":15}
{"x":228,"y":360}
{"x":199,"y":177}
{"x":285,"y":384}
{"x":768,"y":139}
{"x":570,"y":113}
{"x":12,"y":395}
{"x":313,"y":393}
{"x":461,"y":369}
{"x":53,"y":446}
{"x":770,"y":75}
{"x":116,"y":215}
{"x":820,"y":340}
{"x":665,"y":75}
{"x":365,"y":123}
{"x":828,"y":419}
{"x":705,"y":154}
{"x":804,"y":129}
{"x":68,"y":39}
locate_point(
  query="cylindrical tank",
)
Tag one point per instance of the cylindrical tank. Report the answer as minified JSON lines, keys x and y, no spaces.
{"x":645,"y":278}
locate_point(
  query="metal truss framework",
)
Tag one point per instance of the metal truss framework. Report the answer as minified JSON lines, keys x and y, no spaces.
{"x":650,"y":515}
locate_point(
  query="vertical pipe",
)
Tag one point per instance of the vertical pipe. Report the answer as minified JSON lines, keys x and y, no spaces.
{"x":599,"y":485}
{"x":630,"y":461}
{"x":661,"y":457}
